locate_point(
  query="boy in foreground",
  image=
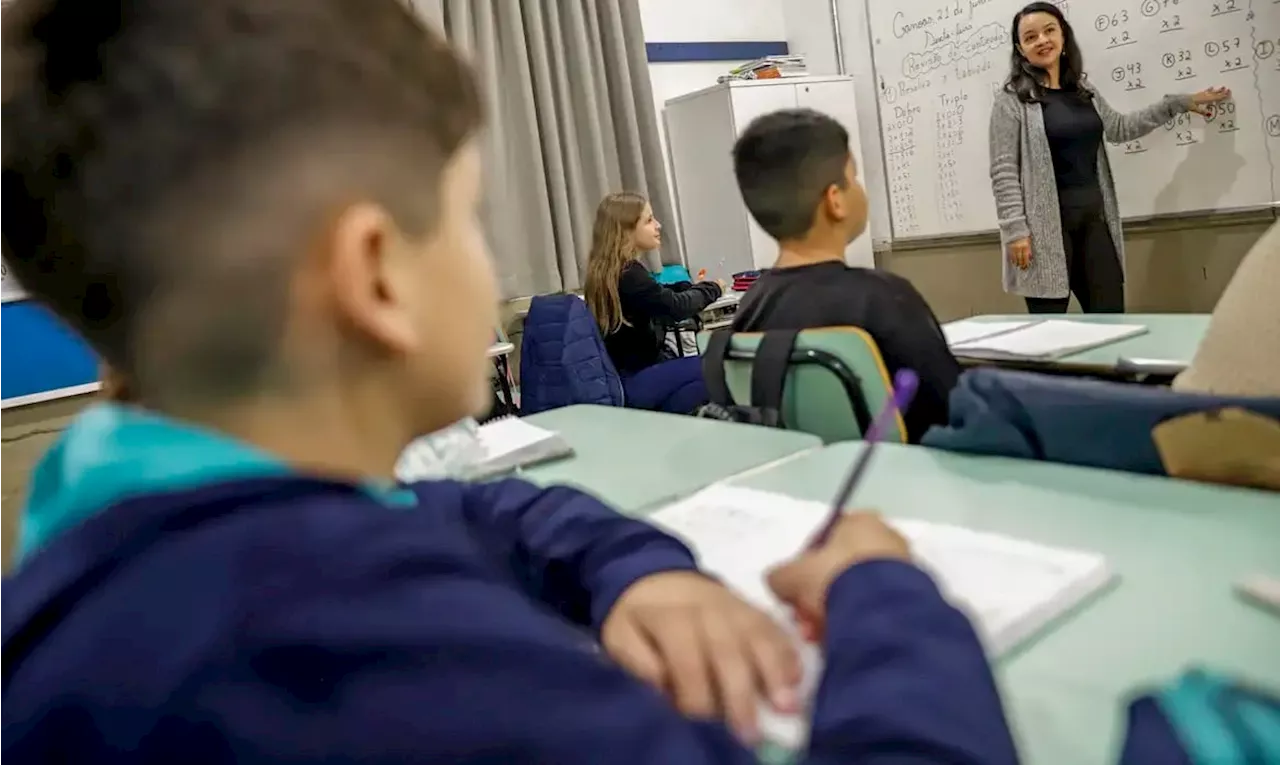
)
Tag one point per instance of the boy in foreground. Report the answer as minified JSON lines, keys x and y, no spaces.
{"x":798,"y":180}
{"x":262,"y":215}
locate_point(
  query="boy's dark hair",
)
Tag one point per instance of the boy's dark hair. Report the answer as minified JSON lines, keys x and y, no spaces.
{"x":166,"y":160}
{"x":784,"y":162}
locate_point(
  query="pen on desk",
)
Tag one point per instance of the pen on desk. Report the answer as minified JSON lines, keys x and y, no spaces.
{"x":905,"y":383}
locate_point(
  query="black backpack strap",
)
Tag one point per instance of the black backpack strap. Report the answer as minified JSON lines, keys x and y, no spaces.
{"x":769,"y":373}
{"x":713,"y":367}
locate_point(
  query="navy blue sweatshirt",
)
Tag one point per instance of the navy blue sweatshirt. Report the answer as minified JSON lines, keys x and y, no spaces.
{"x":185,"y":599}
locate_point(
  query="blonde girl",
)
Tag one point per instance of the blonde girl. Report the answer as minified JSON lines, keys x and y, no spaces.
{"x":634,"y":311}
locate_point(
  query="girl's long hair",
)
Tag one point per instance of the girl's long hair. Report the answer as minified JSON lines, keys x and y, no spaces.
{"x":612,"y":248}
{"x":1026,"y":79}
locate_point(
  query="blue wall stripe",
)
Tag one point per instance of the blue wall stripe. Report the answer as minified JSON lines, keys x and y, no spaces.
{"x":38,"y":353}
{"x":674,"y":52}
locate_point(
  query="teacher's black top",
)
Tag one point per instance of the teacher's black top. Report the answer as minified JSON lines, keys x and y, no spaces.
{"x":1074,"y":130}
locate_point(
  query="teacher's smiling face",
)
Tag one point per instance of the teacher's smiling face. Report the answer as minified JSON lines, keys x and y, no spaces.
{"x":1040,"y":39}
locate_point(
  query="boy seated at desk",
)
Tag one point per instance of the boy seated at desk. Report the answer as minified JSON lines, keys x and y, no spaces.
{"x":798,"y":180}
{"x":263,"y":216}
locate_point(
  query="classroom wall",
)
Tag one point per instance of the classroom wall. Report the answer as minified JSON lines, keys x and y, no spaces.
{"x":28,"y":431}
{"x":702,"y":21}
{"x":1180,"y":267}
{"x":811,"y":32}
{"x":683,"y":21}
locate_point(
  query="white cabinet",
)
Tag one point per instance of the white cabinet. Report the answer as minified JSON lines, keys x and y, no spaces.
{"x":718,"y":232}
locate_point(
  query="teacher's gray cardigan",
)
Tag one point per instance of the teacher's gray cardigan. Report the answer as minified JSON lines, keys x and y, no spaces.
{"x":1026,"y":190}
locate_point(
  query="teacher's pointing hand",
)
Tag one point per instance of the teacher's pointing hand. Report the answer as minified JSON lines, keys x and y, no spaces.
{"x":1203,"y":101}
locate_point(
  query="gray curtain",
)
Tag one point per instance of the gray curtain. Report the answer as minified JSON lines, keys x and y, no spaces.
{"x":571,"y":118}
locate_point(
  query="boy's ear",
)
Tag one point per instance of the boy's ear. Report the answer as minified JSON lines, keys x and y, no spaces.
{"x":833,"y":203}
{"x":365,"y":267}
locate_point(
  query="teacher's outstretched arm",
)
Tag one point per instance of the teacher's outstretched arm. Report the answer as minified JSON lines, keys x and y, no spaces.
{"x":1120,"y":127}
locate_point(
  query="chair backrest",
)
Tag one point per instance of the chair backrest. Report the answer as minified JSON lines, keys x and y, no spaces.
{"x":836,"y":381}
{"x":563,"y":359}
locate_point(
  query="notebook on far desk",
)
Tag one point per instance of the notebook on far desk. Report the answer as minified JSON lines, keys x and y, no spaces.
{"x":1010,"y":588}
{"x":472,"y":452}
{"x":725,"y":302}
{"x":1044,"y":340}
{"x":967,"y":330}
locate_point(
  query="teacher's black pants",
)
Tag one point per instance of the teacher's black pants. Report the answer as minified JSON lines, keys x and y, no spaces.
{"x":1093,"y":266}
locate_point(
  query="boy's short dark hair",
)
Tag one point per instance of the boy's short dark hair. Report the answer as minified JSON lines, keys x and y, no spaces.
{"x":166,"y":160}
{"x":784,"y":162}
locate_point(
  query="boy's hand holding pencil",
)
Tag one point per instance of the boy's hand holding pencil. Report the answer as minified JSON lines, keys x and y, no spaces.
{"x":845,"y":540}
{"x":803,"y":582}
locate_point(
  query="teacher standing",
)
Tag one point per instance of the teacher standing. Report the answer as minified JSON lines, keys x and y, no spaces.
{"x":1055,"y":198}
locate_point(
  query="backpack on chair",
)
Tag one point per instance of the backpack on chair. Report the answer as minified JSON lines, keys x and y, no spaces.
{"x":825,"y":381}
{"x":768,"y":378}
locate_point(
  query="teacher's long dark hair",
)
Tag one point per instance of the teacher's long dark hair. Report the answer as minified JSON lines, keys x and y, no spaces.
{"x":1025,"y":78}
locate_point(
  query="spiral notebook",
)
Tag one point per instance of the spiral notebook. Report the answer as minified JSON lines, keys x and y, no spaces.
{"x":472,"y":452}
{"x":1011,"y":589}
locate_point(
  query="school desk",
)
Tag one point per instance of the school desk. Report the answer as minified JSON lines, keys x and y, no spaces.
{"x":1177,"y":549}
{"x":1164,"y":350}
{"x":635,"y":459}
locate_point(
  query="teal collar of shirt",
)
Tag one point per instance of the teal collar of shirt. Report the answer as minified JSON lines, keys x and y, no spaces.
{"x":112,"y":452}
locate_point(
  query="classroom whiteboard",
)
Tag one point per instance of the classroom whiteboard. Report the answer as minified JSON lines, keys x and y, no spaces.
{"x":940,"y":63}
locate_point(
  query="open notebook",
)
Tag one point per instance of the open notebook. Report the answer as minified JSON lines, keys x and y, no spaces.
{"x":468,"y":451}
{"x":1048,"y":339}
{"x":967,"y":331}
{"x":1011,"y":589}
